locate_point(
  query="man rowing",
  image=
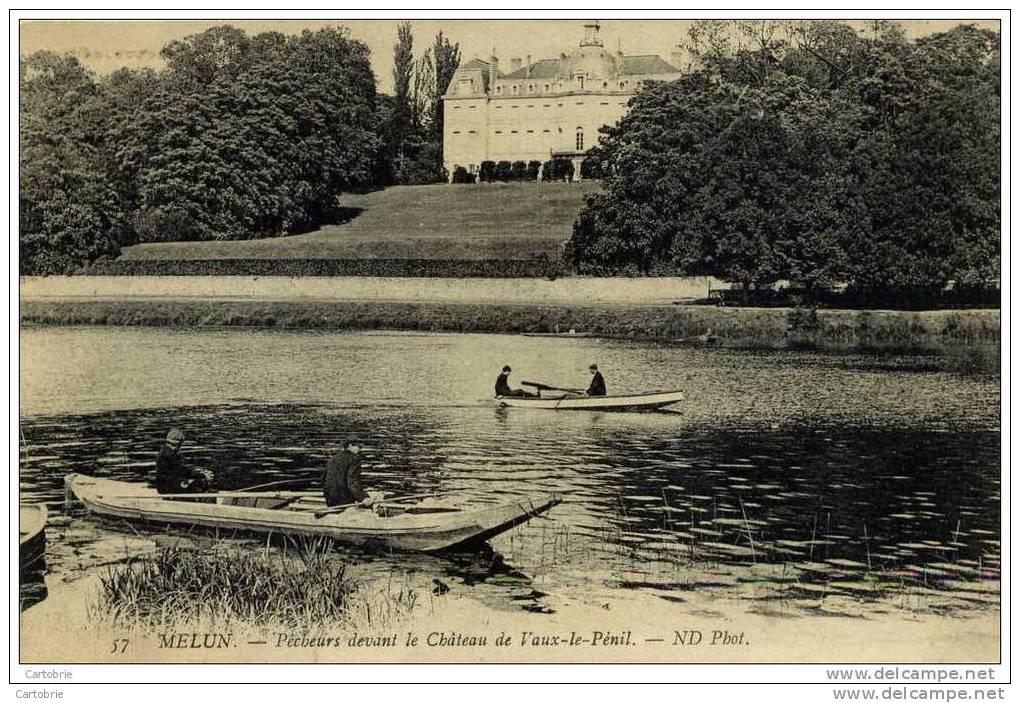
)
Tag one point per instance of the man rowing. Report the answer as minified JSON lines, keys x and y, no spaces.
{"x":172,"y":476}
{"x":598,"y":384}
{"x":503,"y":389}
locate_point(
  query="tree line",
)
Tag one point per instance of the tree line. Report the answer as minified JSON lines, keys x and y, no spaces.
{"x":238,"y":137}
{"x":811,"y":152}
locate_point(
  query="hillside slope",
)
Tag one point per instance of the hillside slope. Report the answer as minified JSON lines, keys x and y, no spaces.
{"x":465,"y":222}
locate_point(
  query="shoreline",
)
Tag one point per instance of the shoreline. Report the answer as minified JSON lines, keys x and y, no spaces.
{"x":937,"y":332}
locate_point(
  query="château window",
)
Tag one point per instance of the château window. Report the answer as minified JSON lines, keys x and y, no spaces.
{"x":623,"y":85}
{"x":579,"y":139}
{"x":547,"y":87}
{"x":515,"y":90}
{"x":499,"y":90}
{"x":605,"y":84}
{"x":531,"y":88}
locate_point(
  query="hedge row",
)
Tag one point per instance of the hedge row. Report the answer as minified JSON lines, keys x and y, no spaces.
{"x":557,"y":169}
{"x":536,"y":267}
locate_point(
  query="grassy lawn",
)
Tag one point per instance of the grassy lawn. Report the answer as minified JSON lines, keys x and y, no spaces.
{"x":485,"y":221}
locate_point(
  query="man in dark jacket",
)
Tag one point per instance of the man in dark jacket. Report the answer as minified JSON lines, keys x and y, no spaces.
{"x":341,"y":481}
{"x":503,"y":386}
{"x":598,"y":384}
{"x":172,"y":476}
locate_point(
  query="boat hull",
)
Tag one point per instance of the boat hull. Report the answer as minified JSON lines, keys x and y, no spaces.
{"x":605,"y":403}
{"x":32,"y":535}
{"x":415,"y":532}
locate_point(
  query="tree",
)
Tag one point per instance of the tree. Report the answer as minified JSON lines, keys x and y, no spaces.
{"x":258,"y":149}
{"x":814,"y":154}
{"x":70,"y":212}
{"x":447,"y":60}
{"x":402,"y":119}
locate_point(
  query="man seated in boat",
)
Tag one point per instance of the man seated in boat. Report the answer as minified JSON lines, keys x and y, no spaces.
{"x":598,"y":384}
{"x":341,"y":481}
{"x":172,"y":476}
{"x":503,"y":386}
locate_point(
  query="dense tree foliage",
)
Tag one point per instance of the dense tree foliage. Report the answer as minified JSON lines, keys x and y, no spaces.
{"x":238,"y":137}
{"x":808,"y":152}
{"x":70,"y":210}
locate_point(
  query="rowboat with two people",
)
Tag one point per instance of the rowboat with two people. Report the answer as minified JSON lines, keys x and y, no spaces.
{"x":572,"y":399}
{"x":391,"y":524}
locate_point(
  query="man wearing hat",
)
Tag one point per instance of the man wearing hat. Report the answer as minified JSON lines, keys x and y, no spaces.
{"x":598,"y":384}
{"x":172,"y":476}
{"x":503,"y":386}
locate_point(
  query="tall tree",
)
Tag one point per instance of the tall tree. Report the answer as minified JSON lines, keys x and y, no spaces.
{"x":447,"y":60}
{"x":402,"y":115}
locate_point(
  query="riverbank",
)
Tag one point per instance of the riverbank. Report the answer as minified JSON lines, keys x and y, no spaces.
{"x":967,"y":338}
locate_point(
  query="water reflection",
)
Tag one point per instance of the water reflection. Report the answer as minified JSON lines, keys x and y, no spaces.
{"x":795,"y":479}
{"x":648,"y":503}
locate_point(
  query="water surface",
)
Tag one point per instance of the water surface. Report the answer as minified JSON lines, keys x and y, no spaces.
{"x":790,"y":482}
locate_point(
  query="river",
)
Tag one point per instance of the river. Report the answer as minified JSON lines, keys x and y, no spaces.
{"x":788,"y":482}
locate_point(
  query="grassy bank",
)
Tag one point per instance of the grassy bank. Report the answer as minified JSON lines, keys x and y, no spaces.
{"x":968,"y":338}
{"x":498,"y":221}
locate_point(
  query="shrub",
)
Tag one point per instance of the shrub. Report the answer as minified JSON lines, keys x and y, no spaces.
{"x":503,"y":171}
{"x":533,"y":168}
{"x":487,"y":172}
{"x":558,"y":169}
{"x":461,"y":175}
{"x":519,"y":171}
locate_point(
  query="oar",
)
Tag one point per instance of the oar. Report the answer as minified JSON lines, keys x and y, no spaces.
{"x":338,"y":508}
{"x":224,"y":494}
{"x":274,"y":483}
{"x":544,"y":387}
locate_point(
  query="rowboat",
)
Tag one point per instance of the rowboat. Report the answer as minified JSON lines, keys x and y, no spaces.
{"x":422,"y":527}
{"x":31,"y":534}
{"x":605,"y":403}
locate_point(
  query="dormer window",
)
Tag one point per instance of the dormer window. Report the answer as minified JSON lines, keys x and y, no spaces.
{"x":547,"y":87}
{"x":499,"y":90}
{"x":514,"y":90}
{"x":531,"y":87}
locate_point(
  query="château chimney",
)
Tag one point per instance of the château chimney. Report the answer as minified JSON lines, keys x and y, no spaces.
{"x":527,"y":65}
{"x":515,"y":64}
{"x":493,"y":70}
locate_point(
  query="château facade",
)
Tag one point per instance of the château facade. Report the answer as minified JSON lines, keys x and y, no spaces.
{"x":543,"y":109}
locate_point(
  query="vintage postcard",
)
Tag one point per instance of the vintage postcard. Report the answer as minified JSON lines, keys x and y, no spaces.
{"x":475,"y":340}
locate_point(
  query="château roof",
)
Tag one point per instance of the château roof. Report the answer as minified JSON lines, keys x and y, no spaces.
{"x":643,"y":65}
{"x":646,"y":65}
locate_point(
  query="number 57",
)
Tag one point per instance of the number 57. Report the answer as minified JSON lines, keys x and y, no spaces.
{"x":119,"y":645}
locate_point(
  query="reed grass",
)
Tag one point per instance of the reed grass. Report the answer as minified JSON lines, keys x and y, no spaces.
{"x":306,"y":587}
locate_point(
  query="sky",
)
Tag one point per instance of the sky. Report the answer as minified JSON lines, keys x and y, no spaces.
{"x":105,"y":45}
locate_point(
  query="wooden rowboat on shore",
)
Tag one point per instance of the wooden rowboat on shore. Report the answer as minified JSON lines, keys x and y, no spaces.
{"x":31,"y":534}
{"x":417,"y":528}
{"x":606,"y":403}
